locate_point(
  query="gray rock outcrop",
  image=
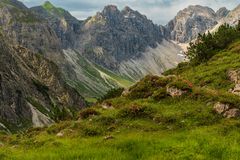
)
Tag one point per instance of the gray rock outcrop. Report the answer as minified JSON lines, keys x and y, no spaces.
{"x":192,"y":21}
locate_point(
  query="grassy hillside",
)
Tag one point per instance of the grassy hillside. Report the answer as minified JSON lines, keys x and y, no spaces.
{"x":147,"y":123}
{"x":212,"y":74}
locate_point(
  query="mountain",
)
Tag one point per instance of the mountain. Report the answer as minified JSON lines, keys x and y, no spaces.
{"x":121,"y":40}
{"x":193,"y":20}
{"x":117,"y":36}
{"x":64,"y":24}
{"x":51,"y":31}
{"x":33,"y":92}
{"x":232,"y":18}
{"x":190,"y":113}
{"x":111,"y":49}
{"x":118,"y":42}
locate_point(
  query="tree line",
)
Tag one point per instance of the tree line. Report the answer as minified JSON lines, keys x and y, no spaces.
{"x":208,"y":44}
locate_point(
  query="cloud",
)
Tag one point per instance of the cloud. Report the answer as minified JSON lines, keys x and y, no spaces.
{"x":160,"y":11}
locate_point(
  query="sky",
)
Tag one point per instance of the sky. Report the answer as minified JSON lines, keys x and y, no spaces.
{"x":160,"y":11}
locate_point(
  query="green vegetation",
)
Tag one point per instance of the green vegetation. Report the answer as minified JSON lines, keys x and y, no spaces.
{"x":146,"y":123}
{"x":19,"y":13}
{"x":113,"y":93}
{"x":52,"y":9}
{"x":140,"y":129}
{"x":207,"y":45}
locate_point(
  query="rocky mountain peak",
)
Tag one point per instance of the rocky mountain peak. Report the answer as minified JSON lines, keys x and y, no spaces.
{"x":110,"y":9}
{"x":222,"y":12}
{"x":196,"y":10}
{"x":191,"y":21}
{"x":55,"y":11}
{"x":127,"y":12}
{"x":127,"y":9}
{"x":14,"y":3}
{"x":48,"y":4}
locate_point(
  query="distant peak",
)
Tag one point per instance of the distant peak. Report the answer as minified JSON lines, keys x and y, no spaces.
{"x":128,"y":9}
{"x":110,"y":8}
{"x":48,"y":5}
{"x":15,"y":3}
{"x":222,"y":12}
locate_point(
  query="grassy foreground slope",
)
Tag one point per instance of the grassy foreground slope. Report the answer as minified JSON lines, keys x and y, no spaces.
{"x":170,"y":129}
{"x":146,"y":123}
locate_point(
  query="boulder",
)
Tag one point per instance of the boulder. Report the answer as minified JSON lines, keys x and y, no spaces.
{"x":107,"y":105}
{"x":125,"y":92}
{"x":236,"y":89}
{"x":108,"y":137}
{"x":60,"y":134}
{"x":234,"y":76}
{"x":232,"y":113}
{"x":220,"y":108}
{"x":175,"y":92}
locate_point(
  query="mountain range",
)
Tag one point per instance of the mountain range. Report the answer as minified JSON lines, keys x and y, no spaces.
{"x":52,"y":62}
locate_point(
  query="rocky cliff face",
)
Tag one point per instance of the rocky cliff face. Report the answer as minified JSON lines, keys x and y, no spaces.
{"x":222,"y":12}
{"x":120,"y":41}
{"x":112,"y":36}
{"x":28,"y":30}
{"x":191,"y":21}
{"x":231,"y":18}
{"x":113,"y":40}
{"x":66,"y":26}
{"x":32,"y":91}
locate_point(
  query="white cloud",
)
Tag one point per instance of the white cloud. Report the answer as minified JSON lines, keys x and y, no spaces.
{"x":160,"y":11}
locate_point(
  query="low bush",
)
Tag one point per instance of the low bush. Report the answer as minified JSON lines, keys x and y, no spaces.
{"x":92,"y":131}
{"x":159,"y":94}
{"x":136,"y":111}
{"x":105,"y":120}
{"x":87,"y":113}
{"x":181,"y":84}
{"x":56,"y":128}
{"x":147,"y":86}
{"x":113,"y":93}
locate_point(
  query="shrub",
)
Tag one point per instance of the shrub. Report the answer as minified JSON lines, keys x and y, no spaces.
{"x":178,"y":70}
{"x":181,"y":84}
{"x":54,"y":129}
{"x":113,"y":93}
{"x":106,"y":120}
{"x":147,"y":86}
{"x":207,"y":45}
{"x":136,"y":111}
{"x":88,"y":112}
{"x":92,"y":131}
{"x":159,"y":94}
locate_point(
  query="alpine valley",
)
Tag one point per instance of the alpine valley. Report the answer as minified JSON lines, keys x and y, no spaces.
{"x":118,"y":86}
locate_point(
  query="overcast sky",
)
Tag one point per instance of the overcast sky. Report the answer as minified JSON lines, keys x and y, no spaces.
{"x":160,"y":11}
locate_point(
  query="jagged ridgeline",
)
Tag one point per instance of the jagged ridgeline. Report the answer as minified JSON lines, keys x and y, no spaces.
{"x":110,"y":49}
